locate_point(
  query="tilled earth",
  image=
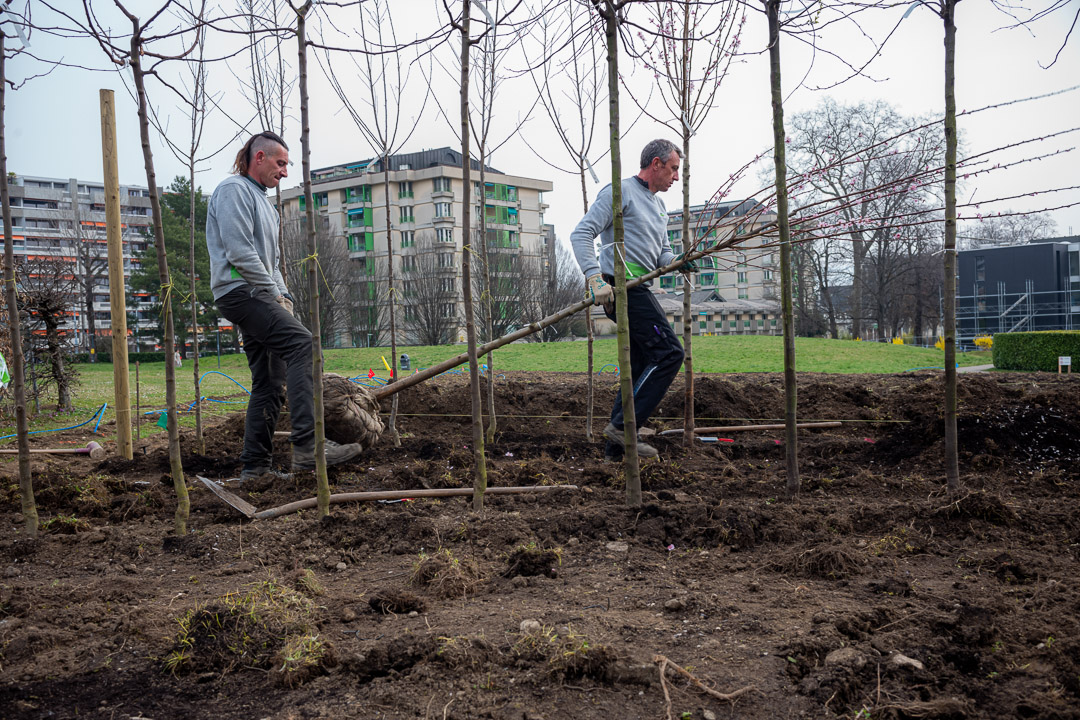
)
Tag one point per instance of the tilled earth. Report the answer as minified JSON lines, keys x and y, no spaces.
{"x":874,"y":594}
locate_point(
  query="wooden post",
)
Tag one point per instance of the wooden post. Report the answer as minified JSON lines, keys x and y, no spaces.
{"x":138,"y":409}
{"x":117,"y":305}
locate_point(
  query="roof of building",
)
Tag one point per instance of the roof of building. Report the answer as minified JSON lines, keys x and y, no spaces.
{"x":1066,"y":239}
{"x":415,"y":161}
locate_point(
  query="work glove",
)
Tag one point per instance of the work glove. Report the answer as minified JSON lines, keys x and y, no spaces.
{"x":286,"y":302}
{"x":688,"y":266}
{"x":599,"y":291}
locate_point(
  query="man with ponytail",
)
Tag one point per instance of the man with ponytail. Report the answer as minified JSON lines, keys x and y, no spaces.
{"x":242,"y":238}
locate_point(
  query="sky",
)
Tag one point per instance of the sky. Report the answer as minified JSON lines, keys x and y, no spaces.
{"x":53,"y":126}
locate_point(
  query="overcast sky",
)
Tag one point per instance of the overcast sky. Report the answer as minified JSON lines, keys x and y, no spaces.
{"x":53,"y":126}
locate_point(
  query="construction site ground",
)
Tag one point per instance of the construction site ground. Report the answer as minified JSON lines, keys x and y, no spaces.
{"x":873,"y":594}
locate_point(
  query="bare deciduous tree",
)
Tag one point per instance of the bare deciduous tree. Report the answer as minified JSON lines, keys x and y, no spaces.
{"x":335,"y":273}
{"x":429,"y":297}
{"x":377,"y":113}
{"x":47,"y":294}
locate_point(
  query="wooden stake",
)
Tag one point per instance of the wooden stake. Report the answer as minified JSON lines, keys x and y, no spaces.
{"x":117,"y":304}
{"x":138,"y":408}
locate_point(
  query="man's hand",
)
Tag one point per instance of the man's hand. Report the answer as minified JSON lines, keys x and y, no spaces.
{"x":286,"y":302}
{"x":599,"y":291}
{"x":688,"y":266}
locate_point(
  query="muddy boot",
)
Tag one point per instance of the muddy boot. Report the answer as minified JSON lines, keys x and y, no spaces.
{"x":613,"y":452}
{"x":615,"y":435}
{"x":303,"y":456}
{"x":257,"y":471}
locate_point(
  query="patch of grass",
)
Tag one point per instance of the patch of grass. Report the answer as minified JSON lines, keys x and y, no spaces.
{"x":712,"y":354}
{"x":61,"y":524}
{"x":445,"y":575}
{"x":268,"y":626}
{"x":567,"y":657}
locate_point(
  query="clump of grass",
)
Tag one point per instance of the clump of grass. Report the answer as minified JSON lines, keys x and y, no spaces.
{"x":305,"y":581}
{"x":458,"y":651}
{"x":900,"y":542}
{"x":444,"y":575}
{"x":567,"y":657}
{"x":269,"y":625}
{"x":531,"y":559}
{"x":61,"y":524}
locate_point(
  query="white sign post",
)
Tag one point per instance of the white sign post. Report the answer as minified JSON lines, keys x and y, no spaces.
{"x":1065,"y":361}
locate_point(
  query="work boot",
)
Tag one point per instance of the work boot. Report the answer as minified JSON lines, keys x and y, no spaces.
{"x":303,"y":456}
{"x":613,"y":452}
{"x":615,"y":435}
{"x":257,"y":471}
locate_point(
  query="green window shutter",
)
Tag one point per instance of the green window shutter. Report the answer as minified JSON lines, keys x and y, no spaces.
{"x":369,"y":241}
{"x":303,"y":202}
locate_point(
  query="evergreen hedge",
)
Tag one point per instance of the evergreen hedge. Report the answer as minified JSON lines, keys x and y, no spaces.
{"x":1035,"y":350}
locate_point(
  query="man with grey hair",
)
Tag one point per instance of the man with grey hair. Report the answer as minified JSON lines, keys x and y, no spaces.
{"x":655,"y":353}
{"x":242,"y":240}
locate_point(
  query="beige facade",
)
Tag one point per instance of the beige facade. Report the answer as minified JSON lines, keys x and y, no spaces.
{"x":425,"y":216}
{"x":748,"y":272}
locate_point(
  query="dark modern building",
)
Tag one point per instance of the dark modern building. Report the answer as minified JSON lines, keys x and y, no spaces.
{"x":1018,"y":288}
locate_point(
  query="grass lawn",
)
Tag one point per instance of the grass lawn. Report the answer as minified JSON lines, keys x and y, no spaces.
{"x":745,"y":353}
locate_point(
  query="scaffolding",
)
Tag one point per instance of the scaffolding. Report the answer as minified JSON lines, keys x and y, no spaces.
{"x":988,"y":313}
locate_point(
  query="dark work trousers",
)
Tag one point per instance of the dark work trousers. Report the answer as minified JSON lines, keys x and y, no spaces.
{"x":655,"y":355}
{"x":278,"y":349}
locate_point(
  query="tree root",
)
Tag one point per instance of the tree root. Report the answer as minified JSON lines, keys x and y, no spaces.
{"x":664,"y":663}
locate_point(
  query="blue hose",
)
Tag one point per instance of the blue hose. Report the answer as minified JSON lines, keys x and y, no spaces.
{"x":98,"y":414}
{"x":218,"y":372}
{"x":605,"y":367}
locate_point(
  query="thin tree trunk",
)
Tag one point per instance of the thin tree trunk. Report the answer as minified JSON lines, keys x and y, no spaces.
{"x":183,"y":505}
{"x":626,"y":382}
{"x":392,"y":425}
{"x":588,"y":325}
{"x":790,"y":398}
{"x":194,"y":313}
{"x":322,"y":481}
{"x":489,"y":319}
{"x":688,"y":327}
{"x":480,"y":462}
{"x":56,"y":359}
{"x":18,"y":365}
{"x":952,"y":466}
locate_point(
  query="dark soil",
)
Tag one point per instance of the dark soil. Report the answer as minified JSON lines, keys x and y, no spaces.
{"x":874,"y":594}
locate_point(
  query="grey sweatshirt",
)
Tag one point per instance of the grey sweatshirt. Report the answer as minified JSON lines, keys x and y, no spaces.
{"x":644,"y":230}
{"x":241,"y":235}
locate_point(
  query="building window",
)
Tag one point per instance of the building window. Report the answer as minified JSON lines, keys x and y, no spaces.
{"x":408,"y":238}
{"x":768,"y":275}
{"x":980,"y":268}
{"x":447,"y":309}
{"x":404,"y":189}
{"x":446,"y":284}
{"x":443,"y":210}
{"x":743,"y":295}
{"x":446,"y":260}
{"x":742,"y":277}
{"x":444,"y":235}
{"x":358,"y":193}
{"x":405,"y":213}
{"x":441,"y":184}
{"x":408,"y":263}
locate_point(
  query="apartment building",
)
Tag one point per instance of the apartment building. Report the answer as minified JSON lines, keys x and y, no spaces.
{"x":52,"y":216}
{"x":425,"y":220}
{"x":737,"y":290}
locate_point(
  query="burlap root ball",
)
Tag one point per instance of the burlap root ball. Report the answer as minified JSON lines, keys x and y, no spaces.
{"x":351,"y":411}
